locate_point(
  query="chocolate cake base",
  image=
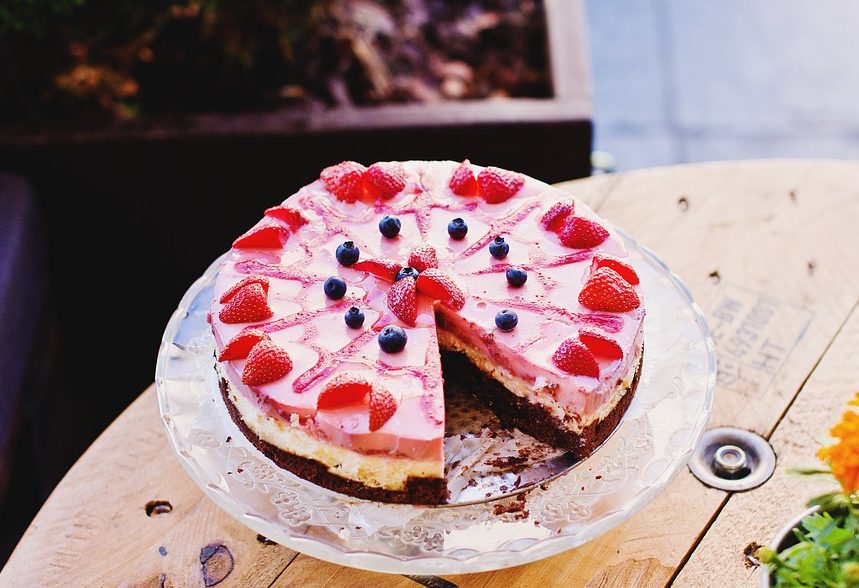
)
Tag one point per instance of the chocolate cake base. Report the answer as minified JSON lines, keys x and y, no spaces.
{"x":417,"y":491}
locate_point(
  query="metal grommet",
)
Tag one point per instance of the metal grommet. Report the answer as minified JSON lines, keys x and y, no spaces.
{"x":732,"y":459}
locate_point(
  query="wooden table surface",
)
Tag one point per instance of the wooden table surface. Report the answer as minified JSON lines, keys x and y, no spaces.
{"x":769,"y":249}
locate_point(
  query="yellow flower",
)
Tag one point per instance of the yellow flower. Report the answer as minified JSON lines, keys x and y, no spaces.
{"x":843,"y":457}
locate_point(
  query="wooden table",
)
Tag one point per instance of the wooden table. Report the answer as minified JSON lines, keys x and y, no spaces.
{"x":770,"y":251}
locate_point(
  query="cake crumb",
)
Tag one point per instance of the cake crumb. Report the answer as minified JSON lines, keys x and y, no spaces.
{"x":229,"y":438}
{"x":516,"y":507}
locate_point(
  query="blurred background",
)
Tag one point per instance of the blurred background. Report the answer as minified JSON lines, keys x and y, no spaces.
{"x":137,"y":139}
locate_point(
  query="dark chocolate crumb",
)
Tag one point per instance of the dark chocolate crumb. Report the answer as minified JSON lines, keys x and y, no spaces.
{"x":715,"y":276}
{"x":157,"y":507}
{"x":598,"y":477}
{"x":239,"y":470}
{"x":811,"y":265}
{"x":792,"y":195}
{"x":229,"y":438}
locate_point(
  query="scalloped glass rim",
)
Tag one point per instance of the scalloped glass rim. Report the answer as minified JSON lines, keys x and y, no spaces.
{"x":514,"y":550}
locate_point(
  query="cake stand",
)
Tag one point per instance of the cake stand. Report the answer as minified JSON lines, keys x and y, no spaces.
{"x":650,"y":446}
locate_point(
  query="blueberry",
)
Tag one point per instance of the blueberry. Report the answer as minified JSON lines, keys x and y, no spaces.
{"x":389,"y":226}
{"x":498,"y":248}
{"x":347,"y":253}
{"x":516,"y":276}
{"x":354,"y":318}
{"x":406,"y":272}
{"x":392,"y":339}
{"x":335,"y":288}
{"x":506,"y":320}
{"x":457,"y":229}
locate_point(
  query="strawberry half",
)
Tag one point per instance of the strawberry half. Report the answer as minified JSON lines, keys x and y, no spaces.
{"x":620,"y":266}
{"x":403,"y":301}
{"x":498,"y":185}
{"x":343,"y":390}
{"x":574,"y":358}
{"x":264,"y":237}
{"x":266,"y":363}
{"x":345,"y":180}
{"x":600,"y":343}
{"x":554,"y":218}
{"x":240,"y":346}
{"x":582,"y":233}
{"x":423,"y":257}
{"x":248,"y":305}
{"x":383,"y":405}
{"x":385,"y":180}
{"x":605,"y":290}
{"x":290,"y":216}
{"x":440,"y":286}
{"x":381,"y":267}
{"x":228,"y":295}
{"x":463,"y":182}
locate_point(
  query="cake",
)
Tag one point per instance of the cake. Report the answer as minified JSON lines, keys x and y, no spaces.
{"x":337,"y":314}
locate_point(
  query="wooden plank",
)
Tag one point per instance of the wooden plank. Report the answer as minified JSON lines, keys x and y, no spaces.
{"x":757,"y":515}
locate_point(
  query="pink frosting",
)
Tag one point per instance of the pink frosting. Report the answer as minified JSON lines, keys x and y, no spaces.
{"x":312,"y":330}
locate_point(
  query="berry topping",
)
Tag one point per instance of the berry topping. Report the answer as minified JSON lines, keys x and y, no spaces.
{"x":389,"y":226}
{"x":381,"y":267}
{"x":265,"y":237}
{"x":498,"y":248}
{"x":334,"y":288}
{"x":266,"y":363}
{"x":345,"y":180}
{"x":406,"y":272}
{"x":344,"y":390}
{"x":385,"y":180}
{"x":347,"y":253}
{"x":463,"y":182}
{"x":506,"y":320}
{"x":239,"y":346}
{"x":516,"y":276}
{"x":354,"y":318}
{"x":402,"y":300}
{"x":392,"y":339}
{"x":423,"y":257}
{"x":383,"y":405}
{"x":620,"y":266}
{"x":439,"y":286}
{"x":582,"y":233}
{"x":574,"y":358}
{"x":498,"y":185}
{"x":457,"y":229}
{"x":605,"y":290}
{"x":290,"y":216}
{"x":600,"y":343}
{"x":555,"y":216}
{"x":248,"y":305}
{"x":228,"y":295}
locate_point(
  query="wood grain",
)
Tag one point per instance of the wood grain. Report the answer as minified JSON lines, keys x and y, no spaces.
{"x":765,"y":242}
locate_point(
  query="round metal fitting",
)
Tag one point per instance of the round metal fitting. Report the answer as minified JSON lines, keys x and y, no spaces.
{"x":732,"y":459}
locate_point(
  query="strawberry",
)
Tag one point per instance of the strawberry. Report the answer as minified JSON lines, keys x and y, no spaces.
{"x":620,"y":266}
{"x":574,"y":358}
{"x":600,"y":343}
{"x":605,"y":290}
{"x":582,"y":233}
{"x":228,"y":295}
{"x":498,"y":185}
{"x":440,"y":286}
{"x":381,"y":267}
{"x":345,"y":180}
{"x":383,"y":405}
{"x":266,"y":363}
{"x":264,"y":237}
{"x":403,"y":300}
{"x":463,"y":182}
{"x":343,"y":390}
{"x":249,"y":305}
{"x":423,"y":257}
{"x":385,"y":179}
{"x":290,"y":216}
{"x":239,"y":346}
{"x":554,"y":218}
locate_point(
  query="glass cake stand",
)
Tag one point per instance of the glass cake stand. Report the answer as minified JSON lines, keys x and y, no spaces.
{"x":496,"y":520}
